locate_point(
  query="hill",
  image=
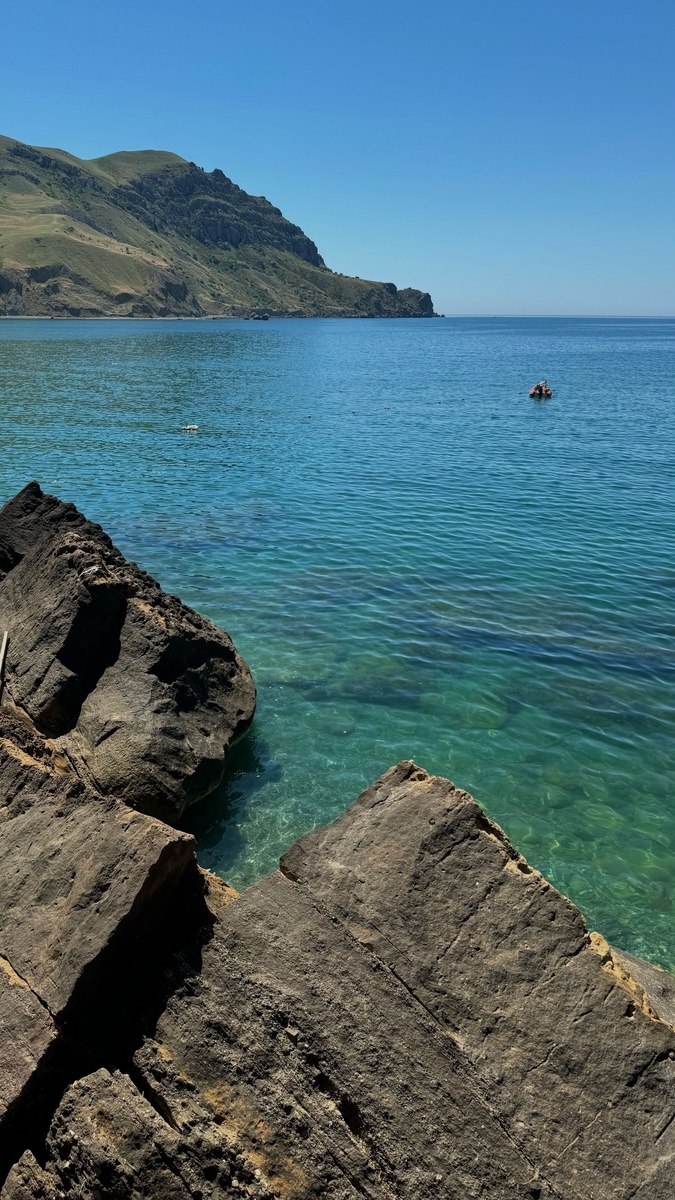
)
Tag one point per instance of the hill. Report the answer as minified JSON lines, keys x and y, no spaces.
{"x":145,"y":233}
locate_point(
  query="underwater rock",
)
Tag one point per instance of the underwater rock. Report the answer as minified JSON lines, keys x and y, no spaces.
{"x":141,"y":695}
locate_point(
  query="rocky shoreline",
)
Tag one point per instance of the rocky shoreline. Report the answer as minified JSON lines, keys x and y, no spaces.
{"x":404,"y":1009}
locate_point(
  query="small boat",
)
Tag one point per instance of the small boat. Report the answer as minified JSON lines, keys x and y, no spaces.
{"x":541,"y":391}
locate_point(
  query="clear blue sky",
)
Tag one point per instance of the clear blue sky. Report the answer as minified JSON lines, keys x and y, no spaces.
{"x":509,"y":156}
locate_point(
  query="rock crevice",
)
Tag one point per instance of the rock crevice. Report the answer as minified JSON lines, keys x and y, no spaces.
{"x":93,"y":898}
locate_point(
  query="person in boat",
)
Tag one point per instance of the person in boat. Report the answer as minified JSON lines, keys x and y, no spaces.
{"x":540,"y":389}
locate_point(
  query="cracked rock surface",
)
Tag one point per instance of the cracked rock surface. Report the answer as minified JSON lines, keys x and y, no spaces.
{"x":404,"y":1010}
{"x":88,"y":893}
{"x":142,"y":696}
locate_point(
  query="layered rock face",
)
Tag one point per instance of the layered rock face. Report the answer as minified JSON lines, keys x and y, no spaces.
{"x":92,"y":897}
{"x":140,"y":695}
{"x":405,"y":1009}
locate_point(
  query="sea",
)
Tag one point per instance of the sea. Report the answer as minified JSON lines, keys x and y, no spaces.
{"x":416,"y":560}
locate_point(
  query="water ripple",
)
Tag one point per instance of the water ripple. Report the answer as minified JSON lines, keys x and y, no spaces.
{"x":416,"y":560}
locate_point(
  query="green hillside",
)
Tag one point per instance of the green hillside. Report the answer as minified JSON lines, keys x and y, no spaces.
{"x":145,"y":233}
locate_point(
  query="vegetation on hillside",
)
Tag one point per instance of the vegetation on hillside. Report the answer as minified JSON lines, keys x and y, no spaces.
{"x":145,"y":233}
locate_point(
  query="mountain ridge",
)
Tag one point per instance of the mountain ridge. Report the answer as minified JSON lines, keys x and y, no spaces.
{"x":143,"y":233}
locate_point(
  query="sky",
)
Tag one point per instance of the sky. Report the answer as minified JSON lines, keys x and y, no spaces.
{"x":508,"y":156}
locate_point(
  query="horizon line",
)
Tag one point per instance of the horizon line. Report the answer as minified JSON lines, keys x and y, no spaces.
{"x":568,"y":316}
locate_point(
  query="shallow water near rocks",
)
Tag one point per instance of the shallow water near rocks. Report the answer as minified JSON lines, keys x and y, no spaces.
{"x":416,"y":560}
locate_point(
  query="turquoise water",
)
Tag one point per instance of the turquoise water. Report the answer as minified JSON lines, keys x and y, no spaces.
{"x":415,"y":559}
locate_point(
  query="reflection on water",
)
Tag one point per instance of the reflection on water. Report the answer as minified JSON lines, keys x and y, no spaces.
{"x":415,"y":559}
{"x":217,"y":821}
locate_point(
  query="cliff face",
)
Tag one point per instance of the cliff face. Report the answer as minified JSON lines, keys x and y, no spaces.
{"x":147,"y":233}
{"x":405,"y":1009}
{"x":212,"y":210}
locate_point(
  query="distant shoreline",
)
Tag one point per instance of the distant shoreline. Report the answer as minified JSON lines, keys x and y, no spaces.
{"x":353,"y":317}
{"x":224,"y":317}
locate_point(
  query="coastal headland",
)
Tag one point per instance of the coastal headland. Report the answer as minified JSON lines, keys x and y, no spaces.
{"x":147,"y":234}
{"x":404,"y":1009}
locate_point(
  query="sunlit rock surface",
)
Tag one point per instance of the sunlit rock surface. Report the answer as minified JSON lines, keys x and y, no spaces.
{"x":405,"y":1009}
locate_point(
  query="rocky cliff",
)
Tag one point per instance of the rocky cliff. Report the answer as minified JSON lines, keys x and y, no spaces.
{"x":148,"y":234}
{"x":404,"y":1009}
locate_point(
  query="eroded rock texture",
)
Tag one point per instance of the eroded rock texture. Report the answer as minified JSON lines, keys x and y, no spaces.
{"x":140,"y":694}
{"x":91,"y":896}
{"x":405,"y":1010}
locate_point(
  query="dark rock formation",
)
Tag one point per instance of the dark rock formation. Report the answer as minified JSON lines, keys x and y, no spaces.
{"x":210,"y":208}
{"x":140,"y":695}
{"x":91,"y":895}
{"x":405,"y":1010}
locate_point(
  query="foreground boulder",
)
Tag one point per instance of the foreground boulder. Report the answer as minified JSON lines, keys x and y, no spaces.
{"x":404,"y":1010}
{"x":564,"y":1041}
{"x":141,"y":695}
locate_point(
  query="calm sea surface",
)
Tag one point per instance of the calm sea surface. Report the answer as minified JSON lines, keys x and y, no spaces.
{"x":416,"y":560}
